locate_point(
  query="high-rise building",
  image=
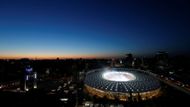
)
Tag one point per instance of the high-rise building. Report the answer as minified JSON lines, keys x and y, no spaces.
{"x":129,"y":60}
{"x":30,"y":78}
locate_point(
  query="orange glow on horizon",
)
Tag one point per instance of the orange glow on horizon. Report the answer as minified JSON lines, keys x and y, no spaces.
{"x":45,"y":56}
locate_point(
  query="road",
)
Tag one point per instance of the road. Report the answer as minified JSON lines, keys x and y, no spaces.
{"x":176,"y":84}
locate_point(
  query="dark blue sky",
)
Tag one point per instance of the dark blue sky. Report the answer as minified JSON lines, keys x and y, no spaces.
{"x":79,"y":28}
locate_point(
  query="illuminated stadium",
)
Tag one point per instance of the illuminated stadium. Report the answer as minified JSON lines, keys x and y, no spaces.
{"x":121,"y":83}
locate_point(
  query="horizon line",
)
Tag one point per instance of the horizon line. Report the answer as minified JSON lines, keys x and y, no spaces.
{"x":58,"y":57}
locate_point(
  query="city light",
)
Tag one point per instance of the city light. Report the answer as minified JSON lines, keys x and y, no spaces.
{"x":27,"y":78}
{"x":35,"y":75}
{"x":64,"y":99}
{"x":35,"y":86}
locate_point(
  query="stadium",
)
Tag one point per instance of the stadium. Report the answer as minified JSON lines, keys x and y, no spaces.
{"x":122,"y":84}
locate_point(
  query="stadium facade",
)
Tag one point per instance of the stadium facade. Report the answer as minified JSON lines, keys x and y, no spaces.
{"x":121,"y":83}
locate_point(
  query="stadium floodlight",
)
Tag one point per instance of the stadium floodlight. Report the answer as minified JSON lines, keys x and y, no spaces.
{"x":118,"y":76}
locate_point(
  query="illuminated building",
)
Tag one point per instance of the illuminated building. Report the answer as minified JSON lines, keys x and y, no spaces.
{"x":121,"y":83}
{"x":30,"y":79}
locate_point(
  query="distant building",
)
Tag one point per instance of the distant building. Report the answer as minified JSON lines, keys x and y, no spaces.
{"x":129,"y":60}
{"x":112,"y":62}
{"x":161,"y":60}
{"x":161,"y":55}
{"x":117,"y":63}
{"x":137,"y":63}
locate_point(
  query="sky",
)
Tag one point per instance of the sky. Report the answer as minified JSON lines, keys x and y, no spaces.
{"x":93,"y":28}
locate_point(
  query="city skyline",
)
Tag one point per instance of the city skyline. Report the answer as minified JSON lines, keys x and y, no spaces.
{"x":92,"y":29}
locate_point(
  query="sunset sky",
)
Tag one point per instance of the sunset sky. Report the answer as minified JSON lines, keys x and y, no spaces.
{"x":92,"y":28}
